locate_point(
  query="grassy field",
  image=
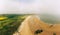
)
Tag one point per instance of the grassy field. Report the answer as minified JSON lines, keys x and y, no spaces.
{"x":9,"y":23}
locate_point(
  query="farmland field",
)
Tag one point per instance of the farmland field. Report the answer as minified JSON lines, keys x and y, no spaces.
{"x":9,"y":23}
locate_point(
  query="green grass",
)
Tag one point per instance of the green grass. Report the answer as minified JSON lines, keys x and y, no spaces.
{"x":10,"y":25}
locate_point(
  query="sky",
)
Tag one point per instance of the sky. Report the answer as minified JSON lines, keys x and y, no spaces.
{"x":30,"y":6}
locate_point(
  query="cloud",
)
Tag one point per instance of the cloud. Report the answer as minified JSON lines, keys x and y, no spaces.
{"x":20,"y":7}
{"x":35,"y":6}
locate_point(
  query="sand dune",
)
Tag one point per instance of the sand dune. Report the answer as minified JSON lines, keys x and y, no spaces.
{"x":33,"y":23}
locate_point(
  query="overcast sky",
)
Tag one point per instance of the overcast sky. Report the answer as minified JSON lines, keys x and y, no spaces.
{"x":30,"y":6}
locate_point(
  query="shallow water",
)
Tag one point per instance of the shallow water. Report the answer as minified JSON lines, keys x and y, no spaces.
{"x":50,"y":19}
